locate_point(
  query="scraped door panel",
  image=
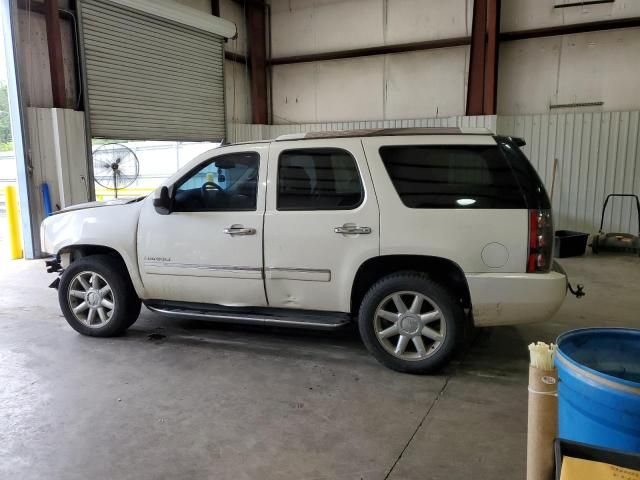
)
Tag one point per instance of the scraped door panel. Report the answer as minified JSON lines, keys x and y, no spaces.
{"x":321,"y":223}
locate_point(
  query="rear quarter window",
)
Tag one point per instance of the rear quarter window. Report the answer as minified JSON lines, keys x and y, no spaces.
{"x":452,"y":176}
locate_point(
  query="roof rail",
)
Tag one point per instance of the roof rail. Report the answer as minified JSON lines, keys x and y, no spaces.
{"x":385,"y":132}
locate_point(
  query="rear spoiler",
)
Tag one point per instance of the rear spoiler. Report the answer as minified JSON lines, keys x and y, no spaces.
{"x":519,"y":141}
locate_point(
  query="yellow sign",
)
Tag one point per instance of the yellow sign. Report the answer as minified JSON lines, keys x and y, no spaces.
{"x":578,"y":469}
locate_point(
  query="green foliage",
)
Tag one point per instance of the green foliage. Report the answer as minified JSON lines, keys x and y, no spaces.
{"x":5,"y":125}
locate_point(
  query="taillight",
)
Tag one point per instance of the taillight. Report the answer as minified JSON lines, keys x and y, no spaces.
{"x":540,"y":241}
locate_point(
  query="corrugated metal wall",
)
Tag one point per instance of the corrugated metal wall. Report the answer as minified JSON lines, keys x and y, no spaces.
{"x":248,"y":132}
{"x":597,"y":153}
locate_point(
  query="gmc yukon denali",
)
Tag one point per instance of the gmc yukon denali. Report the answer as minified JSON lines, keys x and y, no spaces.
{"x":414,"y":234}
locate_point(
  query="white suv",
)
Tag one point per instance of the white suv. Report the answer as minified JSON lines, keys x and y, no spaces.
{"x":413,"y":233}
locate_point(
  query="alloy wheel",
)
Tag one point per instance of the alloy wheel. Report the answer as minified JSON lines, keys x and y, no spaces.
{"x":409,"y":325}
{"x":91,"y":299}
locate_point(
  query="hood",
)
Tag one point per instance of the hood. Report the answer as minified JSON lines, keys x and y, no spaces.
{"x":106,"y":203}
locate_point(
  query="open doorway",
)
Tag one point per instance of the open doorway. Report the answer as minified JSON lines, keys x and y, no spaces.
{"x":129,"y":169}
{"x":8,"y":171}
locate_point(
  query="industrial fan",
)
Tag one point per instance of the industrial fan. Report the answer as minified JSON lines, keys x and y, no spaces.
{"x":115,"y":166}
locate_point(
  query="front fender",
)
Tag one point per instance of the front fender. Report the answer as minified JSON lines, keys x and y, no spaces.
{"x":114,"y":227}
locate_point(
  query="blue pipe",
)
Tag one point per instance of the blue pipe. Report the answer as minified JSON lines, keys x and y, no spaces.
{"x":46,"y":198}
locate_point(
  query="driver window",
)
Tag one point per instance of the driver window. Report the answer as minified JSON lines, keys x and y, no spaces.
{"x":224,"y":183}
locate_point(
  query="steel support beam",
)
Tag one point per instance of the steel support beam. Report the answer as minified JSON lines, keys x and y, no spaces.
{"x":40,"y":8}
{"x":56,"y":62}
{"x":586,"y":27}
{"x":483,"y":66}
{"x":369,"y":51}
{"x":257,"y":49}
{"x":491,"y":58}
{"x":475,"y":86}
{"x":235,"y":57}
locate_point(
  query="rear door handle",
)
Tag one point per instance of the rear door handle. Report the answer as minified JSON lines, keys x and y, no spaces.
{"x":350,"y":229}
{"x":239,"y":230}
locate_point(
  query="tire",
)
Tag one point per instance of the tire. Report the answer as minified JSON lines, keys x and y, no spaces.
{"x":439,"y":312}
{"x":135,"y":311}
{"x":98,"y":284}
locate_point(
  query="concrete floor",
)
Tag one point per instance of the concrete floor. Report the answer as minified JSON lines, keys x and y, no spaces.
{"x":225,"y":402}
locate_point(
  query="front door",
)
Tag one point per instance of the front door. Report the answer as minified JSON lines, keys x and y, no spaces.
{"x":321,"y":223}
{"x":209,"y":248}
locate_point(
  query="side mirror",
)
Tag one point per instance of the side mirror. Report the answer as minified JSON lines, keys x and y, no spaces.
{"x":162,"y":202}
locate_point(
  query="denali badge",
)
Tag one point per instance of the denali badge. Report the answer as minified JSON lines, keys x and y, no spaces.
{"x":157,"y":259}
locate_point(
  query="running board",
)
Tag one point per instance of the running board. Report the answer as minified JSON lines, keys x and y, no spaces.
{"x":280,"y":317}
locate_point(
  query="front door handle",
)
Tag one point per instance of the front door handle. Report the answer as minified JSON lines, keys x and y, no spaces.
{"x":239,"y":230}
{"x":350,"y":229}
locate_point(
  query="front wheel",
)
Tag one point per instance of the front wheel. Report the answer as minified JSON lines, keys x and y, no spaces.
{"x":97,"y":297}
{"x":410,"y":323}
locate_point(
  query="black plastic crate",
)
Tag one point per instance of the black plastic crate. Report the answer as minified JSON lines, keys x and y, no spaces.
{"x":618,"y":458}
{"x":569,"y":243}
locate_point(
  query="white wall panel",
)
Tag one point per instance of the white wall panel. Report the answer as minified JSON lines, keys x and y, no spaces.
{"x":601,"y":66}
{"x":313,"y":26}
{"x":528,"y":75}
{"x":589,"y":67}
{"x":527,"y":14}
{"x":421,"y":20}
{"x":236,"y":83}
{"x":598,"y":154}
{"x":428,"y":83}
{"x":329,"y":91}
{"x":407,"y":85}
{"x":350,"y":89}
{"x":294,"y":93}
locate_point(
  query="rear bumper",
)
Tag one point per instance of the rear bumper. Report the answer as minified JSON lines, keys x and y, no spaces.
{"x":514,"y":298}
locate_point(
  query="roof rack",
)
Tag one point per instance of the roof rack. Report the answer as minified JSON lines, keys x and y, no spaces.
{"x":385,"y":132}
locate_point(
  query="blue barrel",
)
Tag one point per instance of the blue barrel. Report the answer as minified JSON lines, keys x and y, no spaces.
{"x":599,"y":387}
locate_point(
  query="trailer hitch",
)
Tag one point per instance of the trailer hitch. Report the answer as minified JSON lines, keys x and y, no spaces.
{"x":578,"y":291}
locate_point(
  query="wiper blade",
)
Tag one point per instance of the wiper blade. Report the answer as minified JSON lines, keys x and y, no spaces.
{"x":137,"y":199}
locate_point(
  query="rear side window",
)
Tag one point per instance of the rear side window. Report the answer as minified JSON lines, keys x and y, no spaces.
{"x":318,"y":179}
{"x":452,"y":176}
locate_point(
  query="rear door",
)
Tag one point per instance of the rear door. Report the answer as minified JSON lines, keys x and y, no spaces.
{"x":450,"y":196}
{"x":321,"y":222}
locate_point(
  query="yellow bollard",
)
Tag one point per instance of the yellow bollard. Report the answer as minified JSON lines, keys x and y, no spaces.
{"x":13,"y":217}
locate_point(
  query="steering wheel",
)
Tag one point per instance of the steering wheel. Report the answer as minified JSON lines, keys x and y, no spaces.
{"x":205,"y":187}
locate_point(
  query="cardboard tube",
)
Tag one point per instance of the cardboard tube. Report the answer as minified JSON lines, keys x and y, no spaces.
{"x":542,"y":423}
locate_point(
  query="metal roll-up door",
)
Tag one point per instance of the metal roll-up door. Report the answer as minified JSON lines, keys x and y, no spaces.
{"x":150,"y":78}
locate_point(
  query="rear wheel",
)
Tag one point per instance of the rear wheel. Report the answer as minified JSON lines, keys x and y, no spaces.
{"x":97,"y":297}
{"x":410,"y":323}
